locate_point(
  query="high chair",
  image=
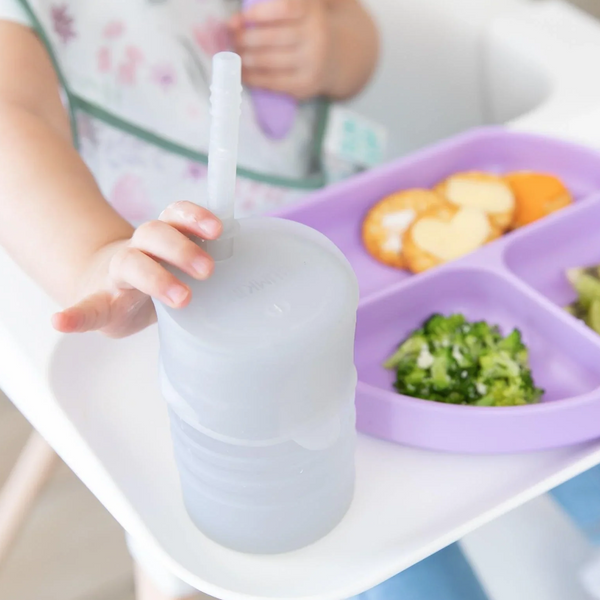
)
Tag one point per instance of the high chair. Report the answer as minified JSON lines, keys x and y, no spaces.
{"x":448,"y":67}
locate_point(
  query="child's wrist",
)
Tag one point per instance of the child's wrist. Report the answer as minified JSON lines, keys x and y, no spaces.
{"x":96,"y":273}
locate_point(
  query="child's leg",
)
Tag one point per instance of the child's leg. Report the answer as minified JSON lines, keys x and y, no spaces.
{"x":580,"y":498}
{"x":446,"y":575}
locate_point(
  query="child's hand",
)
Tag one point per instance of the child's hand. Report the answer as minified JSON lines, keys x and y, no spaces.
{"x":116,"y":296}
{"x":307,"y":48}
{"x":284,"y":45}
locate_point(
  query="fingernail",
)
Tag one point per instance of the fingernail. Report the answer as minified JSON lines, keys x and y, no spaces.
{"x":201,"y":267}
{"x":177,"y":294}
{"x":209,"y":227}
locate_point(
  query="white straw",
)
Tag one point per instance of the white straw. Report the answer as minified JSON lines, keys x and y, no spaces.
{"x":226,"y":98}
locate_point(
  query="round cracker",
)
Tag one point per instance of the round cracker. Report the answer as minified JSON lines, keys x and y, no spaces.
{"x":419,"y":259}
{"x":379,"y":239}
{"x":501,"y":218}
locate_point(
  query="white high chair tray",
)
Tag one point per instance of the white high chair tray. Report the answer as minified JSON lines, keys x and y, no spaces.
{"x":97,"y":402}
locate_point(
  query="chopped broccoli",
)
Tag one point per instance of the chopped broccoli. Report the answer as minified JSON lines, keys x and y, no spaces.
{"x":498,"y":365}
{"x":441,"y":378}
{"x":512,"y":343}
{"x":408,"y":351}
{"x":456,"y":362}
{"x":586,"y":282}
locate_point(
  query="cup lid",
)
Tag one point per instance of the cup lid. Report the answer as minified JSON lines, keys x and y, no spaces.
{"x":284,"y":279}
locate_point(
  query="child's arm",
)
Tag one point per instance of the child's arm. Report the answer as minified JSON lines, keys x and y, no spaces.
{"x":307,"y":48}
{"x":55,"y":222}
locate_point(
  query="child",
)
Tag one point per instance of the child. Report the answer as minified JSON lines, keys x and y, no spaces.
{"x":130,"y":148}
{"x":134,"y":75}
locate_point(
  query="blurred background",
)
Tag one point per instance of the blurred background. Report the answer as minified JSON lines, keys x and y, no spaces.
{"x":72,"y":549}
{"x":592,"y":6}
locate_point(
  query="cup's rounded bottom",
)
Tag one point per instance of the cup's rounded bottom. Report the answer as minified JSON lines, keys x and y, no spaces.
{"x":265,"y":500}
{"x":270,"y":530}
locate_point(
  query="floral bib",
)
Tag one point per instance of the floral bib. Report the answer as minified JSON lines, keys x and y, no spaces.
{"x":136,"y":76}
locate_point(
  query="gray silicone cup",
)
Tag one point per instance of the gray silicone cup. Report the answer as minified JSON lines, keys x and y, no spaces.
{"x":517,"y":281}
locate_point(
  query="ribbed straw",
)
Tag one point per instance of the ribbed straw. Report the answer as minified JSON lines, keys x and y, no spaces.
{"x":226,"y":99}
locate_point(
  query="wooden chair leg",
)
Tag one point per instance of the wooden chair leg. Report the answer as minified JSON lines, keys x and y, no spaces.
{"x":34,"y":467}
{"x":146,"y":590}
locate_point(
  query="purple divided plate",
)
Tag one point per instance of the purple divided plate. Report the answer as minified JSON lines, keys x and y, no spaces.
{"x":517,"y":281}
{"x":338,"y":210}
{"x":539,"y":255}
{"x":565,"y":362}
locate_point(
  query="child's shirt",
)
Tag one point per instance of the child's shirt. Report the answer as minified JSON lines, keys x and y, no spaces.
{"x":136,"y":76}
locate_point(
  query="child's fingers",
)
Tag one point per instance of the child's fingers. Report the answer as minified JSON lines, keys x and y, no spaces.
{"x":285,"y":60}
{"x":132,"y":268}
{"x":279,"y":36}
{"x":90,"y":314}
{"x":191,"y":218}
{"x":276,"y":10}
{"x":162,"y":241}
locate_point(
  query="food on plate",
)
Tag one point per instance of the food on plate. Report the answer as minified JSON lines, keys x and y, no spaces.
{"x":454,"y":361}
{"x":385,"y":224}
{"x":487,"y":192}
{"x":401,"y":230}
{"x":586,"y":282}
{"x":537,"y":195}
{"x":445,"y":233}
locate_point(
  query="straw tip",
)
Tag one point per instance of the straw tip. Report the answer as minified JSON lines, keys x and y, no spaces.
{"x":227,"y":71}
{"x":227,"y":60}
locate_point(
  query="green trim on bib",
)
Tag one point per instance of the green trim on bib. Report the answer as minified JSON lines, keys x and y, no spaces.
{"x":76,"y":102}
{"x":310,"y":183}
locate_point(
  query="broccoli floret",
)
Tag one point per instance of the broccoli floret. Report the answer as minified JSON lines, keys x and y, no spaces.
{"x":515,"y":392}
{"x":512,"y":343}
{"x":586,"y":282}
{"x":408,"y":350}
{"x":453,"y":361}
{"x":415,"y":377}
{"x":437,"y":325}
{"x":441,"y":331}
{"x":440,"y":371}
{"x":498,"y":364}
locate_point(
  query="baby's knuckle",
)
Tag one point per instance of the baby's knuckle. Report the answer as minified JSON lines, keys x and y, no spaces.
{"x":120,"y":260}
{"x":173,"y":207}
{"x":181,"y":205}
{"x":148,"y":229}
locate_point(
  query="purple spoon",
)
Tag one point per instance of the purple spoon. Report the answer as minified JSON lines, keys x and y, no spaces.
{"x":275,"y":112}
